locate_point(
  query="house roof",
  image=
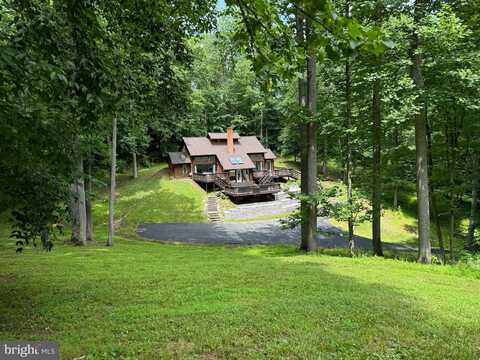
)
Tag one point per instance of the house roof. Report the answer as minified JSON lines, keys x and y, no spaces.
{"x":179,"y":158}
{"x":198,"y":146}
{"x":235,"y":161}
{"x":269,"y":155}
{"x":222,"y":136}
{"x":202,"y":146}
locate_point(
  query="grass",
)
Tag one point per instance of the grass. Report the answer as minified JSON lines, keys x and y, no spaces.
{"x":149,"y":301}
{"x":398,"y":225}
{"x":146,"y":300}
{"x":152,"y":197}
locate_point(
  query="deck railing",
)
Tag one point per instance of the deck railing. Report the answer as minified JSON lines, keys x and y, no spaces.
{"x":205,"y":178}
{"x":257,"y":174}
{"x":233,"y":188}
{"x":242,"y":189}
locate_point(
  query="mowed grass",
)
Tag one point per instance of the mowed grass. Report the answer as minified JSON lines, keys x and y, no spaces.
{"x":147,"y":300}
{"x":143,"y":300}
{"x":398,"y":225}
{"x":152,"y":197}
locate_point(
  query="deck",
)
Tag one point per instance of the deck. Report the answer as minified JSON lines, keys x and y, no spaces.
{"x":248,"y":189}
{"x":204,"y":178}
{"x":235,"y":189}
{"x":277,"y":173}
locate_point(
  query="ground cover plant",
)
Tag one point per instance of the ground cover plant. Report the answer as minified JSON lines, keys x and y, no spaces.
{"x":147,"y":300}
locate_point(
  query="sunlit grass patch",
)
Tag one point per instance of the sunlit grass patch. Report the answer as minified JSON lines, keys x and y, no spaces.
{"x":183,"y":301}
{"x":152,"y":197}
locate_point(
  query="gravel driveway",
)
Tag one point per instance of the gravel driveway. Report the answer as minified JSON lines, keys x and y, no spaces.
{"x":250,"y":233}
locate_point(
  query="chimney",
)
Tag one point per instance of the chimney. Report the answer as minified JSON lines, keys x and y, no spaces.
{"x":230,"y":147}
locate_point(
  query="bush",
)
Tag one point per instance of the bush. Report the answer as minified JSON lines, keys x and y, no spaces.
{"x":121,"y":166}
{"x":469,"y":261}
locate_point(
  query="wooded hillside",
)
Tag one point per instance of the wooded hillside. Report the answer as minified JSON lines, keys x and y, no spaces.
{"x":382,"y":95}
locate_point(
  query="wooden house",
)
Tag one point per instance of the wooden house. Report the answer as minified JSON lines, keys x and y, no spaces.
{"x":239,"y":165}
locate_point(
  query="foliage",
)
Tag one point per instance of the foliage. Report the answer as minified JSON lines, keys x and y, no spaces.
{"x":324,"y":199}
{"x":45,"y":214}
{"x":356,"y":209}
{"x":67,"y":68}
{"x":151,"y":198}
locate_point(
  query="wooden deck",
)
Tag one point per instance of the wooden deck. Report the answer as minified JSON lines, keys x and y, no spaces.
{"x":277,"y":173}
{"x":204,"y":178}
{"x":248,"y":189}
{"x":235,"y":189}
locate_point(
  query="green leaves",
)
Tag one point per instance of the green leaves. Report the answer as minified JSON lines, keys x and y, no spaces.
{"x":355,"y":30}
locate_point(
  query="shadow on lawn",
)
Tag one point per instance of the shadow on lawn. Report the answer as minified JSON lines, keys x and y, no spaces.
{"x":224,"y":303}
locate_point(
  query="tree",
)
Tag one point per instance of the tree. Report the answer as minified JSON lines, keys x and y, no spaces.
{"x":66,"y":68}
{"x":472,"y":221}
{"x":266,"y":27}
{"x":424,"y":255}
{"x":113,"y":174}
{"x":355,"y":211}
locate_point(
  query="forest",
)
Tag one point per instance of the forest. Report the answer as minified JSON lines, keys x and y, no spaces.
{"x":384,"y":93}
{"x":373,"y":103}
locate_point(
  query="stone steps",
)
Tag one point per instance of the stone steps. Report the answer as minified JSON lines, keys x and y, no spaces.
{"x":212,"y":209}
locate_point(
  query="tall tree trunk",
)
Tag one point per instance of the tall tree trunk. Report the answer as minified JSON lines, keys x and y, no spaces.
{"x":451,"y":227}
{"x":377,"y":173}
{"x":135,"y":167}
{"x":433,"y":202}
{"x":325,"y":157}
{"x":88,"y":208}
{"x":396,"y":139}
{"x":74,"y":214}
{"x":395,"y":196}
{"x":113,"y":174}
{"x":349,"y":164}
{"x":79,"y":213}
{"x":88,"y":204}
{"x":451,"y":137}
{"x":423,"y":202}
{"x":472,"y":222}
{"x":302,"y":102}
{"x":312,"y":166}
{"x":377,"y":148}
{"x":261,"y":123}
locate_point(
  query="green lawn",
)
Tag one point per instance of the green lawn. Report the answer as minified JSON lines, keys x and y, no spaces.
{"x":149,"y":300}
{"x":398,"y":225}
{"x":146,"y":300}
{"x":152,"y":197}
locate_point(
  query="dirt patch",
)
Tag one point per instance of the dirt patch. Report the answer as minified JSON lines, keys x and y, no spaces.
{"x":7,"y":278}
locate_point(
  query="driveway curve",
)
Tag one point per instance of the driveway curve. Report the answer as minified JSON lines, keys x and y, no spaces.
{"x":268,"y":232}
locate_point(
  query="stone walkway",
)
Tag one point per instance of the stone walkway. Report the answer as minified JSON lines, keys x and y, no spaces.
{"x":283,"y":204}
{"x":212,"y":209}
{"x":250,"y":233}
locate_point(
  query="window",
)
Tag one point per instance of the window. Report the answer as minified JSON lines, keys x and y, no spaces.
{"x":259,"y":165}
{"x":241,"y":176}
{"x":236,"y":160}
{"x":205,"y":169}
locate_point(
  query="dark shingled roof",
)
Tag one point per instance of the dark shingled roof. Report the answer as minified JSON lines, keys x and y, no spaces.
{"x":202,"y":146}
{"x":178,"y":158}
{"x":224,"y":157}
{"x":269,"y":155}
